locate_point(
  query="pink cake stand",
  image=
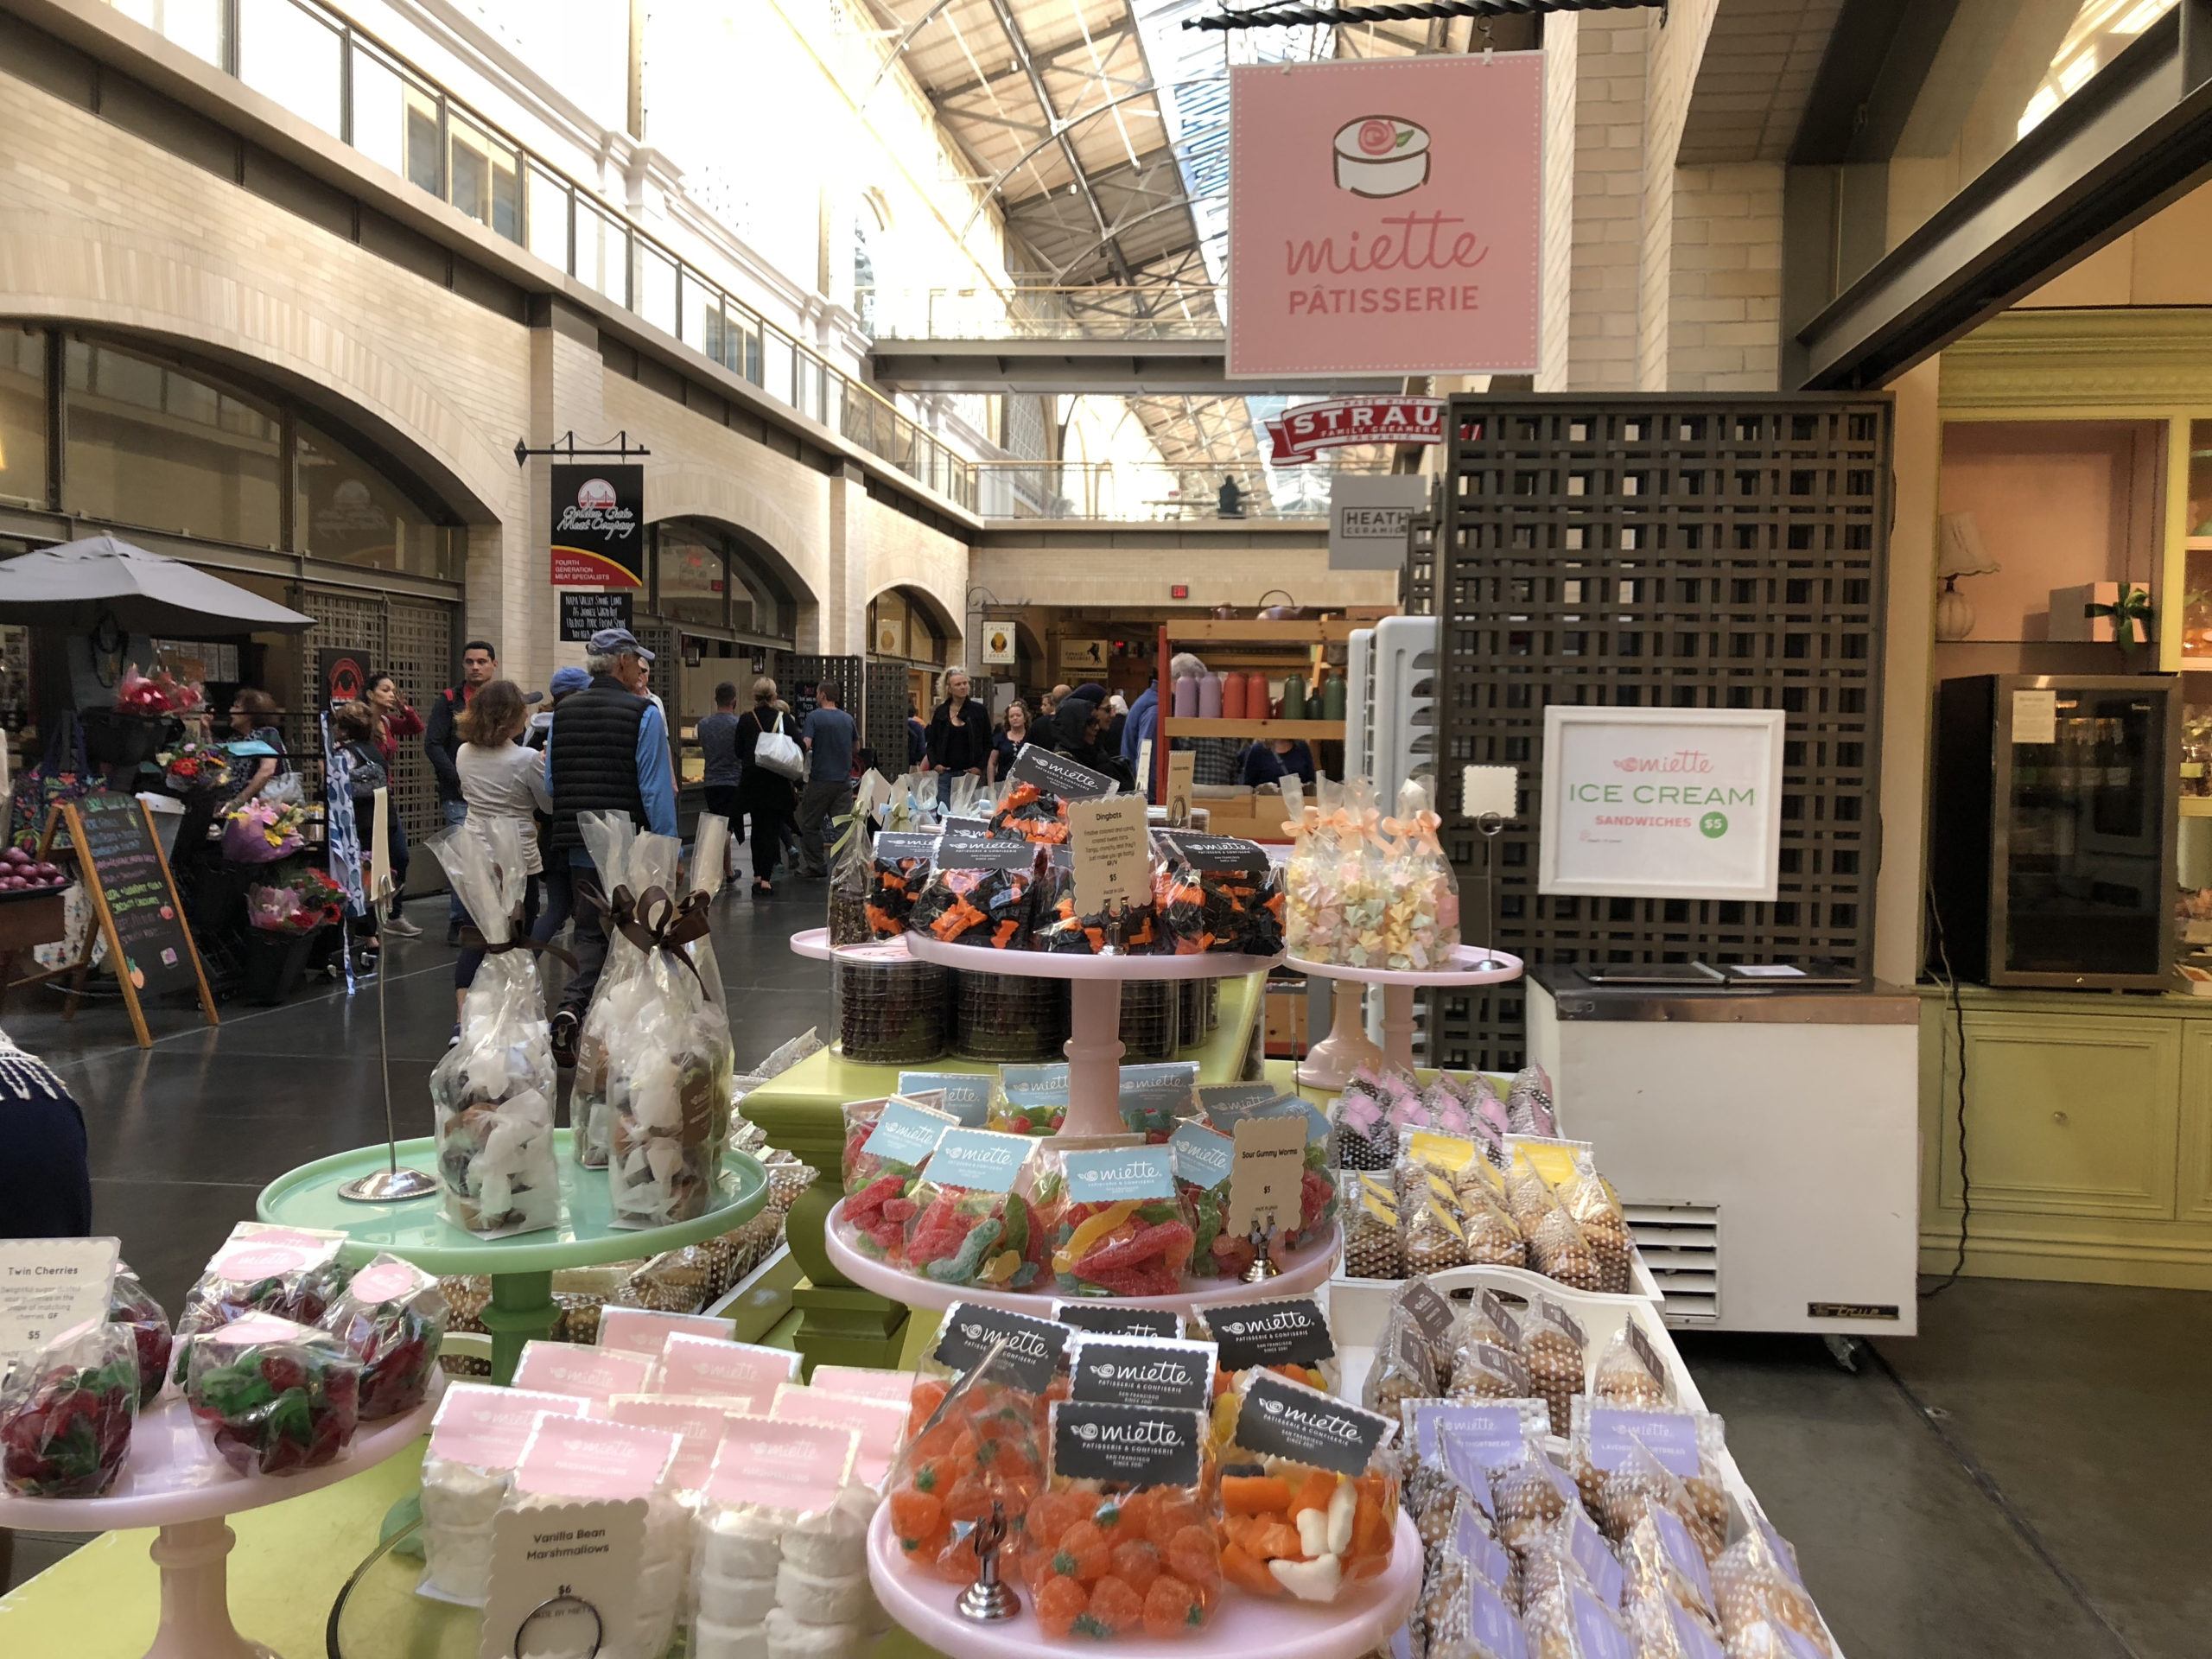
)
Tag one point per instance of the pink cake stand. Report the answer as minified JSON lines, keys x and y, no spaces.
{"x":175,"y":1479}
{"x":1327,"y":1067}
{"x":814,"y":942}
{"x":1094,"y":1046}
{"x":1362,"y":1618}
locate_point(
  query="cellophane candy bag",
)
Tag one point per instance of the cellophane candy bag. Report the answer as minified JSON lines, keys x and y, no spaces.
{"x":979,"y":894}
{"x":476,"y":1441}
{"x":1413,"y":1355}
{"x":1201,"y":1158}
{"x":1372,"y":1247}
{"x":1364,"y":878}
{"x":898,"y":869}
{"x":971,"y":1442}
{"x":291,"y":1272}
{"x":392,"y":1318}
{"x":1132,"y":930}
{"x":1121,"y":1228}
{"x":493,"y":1090}
{"x":887,"y":1143}
{"x":1313,"y":906}
{"x":1366,"y":1138}
{"x":1029,"y":1099}
{"x":1421,"y":921}
{"x":667,"y":1075}
{"x":277,"y":1397}
{"x":130,"y":1305}
{"x":1039,"y":786}
{"x":1287,"y":1336}
{"x":1217,"y":893}
{"x":1631,"y":1373}
{"x":971,"y":1225}
{"x":1528,"y":1103}
{"x":1317,"y":1510}
{"x":1625,"y":1460}
{"x":1765,"y":1612}
{"x":67,"y":1413}
{"x":1123,"y":1542}
{"x":625,"y":861}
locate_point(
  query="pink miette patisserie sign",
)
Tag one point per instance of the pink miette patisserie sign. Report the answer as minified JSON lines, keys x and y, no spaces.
{"x":1384,"y":217}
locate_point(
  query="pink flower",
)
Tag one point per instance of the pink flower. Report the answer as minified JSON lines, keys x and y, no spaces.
{"x":1377,"y":136}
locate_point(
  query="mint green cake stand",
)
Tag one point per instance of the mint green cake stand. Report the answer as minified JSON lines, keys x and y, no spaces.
{"x":522,"y":1307}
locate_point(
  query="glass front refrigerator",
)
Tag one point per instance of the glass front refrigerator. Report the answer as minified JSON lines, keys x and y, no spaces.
{"x":2052,"y":833}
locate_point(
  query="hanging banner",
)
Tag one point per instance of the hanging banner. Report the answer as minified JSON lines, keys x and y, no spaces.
{"x":345,"y":675}
{"x":1384,"y":216}
{"x":1310,"y":428}
{"x":599,"y":525}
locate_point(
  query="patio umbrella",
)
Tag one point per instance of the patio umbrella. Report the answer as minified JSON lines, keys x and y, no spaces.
{"x":78,"y":583}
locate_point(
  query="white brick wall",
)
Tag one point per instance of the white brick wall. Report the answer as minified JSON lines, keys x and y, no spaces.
{"x":1608,"y":231}
{"x":1723,"y":325}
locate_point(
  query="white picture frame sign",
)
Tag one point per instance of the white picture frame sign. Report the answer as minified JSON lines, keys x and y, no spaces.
{"x":1662,"y":803}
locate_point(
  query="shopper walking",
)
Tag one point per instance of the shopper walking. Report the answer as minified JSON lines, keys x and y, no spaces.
{"x":556,"y":899}
{"x":717,"y":736}
{"x":830,"y":736}
{"x":607,"y":752}
{"x":479,"y":665}
{"x":502,"y":778}
{"x":767,"y":796}
{"x":396,"y":721}
{"x":959,"y":736}
{"x":1007,"y":741}
{"x":918,"y":739}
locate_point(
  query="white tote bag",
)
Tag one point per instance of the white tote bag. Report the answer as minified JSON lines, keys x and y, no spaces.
{"x":780,"y":753}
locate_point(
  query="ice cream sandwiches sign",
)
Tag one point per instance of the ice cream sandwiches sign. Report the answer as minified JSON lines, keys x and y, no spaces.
{"x":1662,"y":803}
{"x":1383,"y":216}
{"x":599,"y":526}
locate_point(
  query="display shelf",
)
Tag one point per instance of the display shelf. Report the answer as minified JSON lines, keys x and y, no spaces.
{"x":1304,"y":1270}
{"x":1331,"y":1068}
{"x":1327,"y":731}
{"x":175,"y":1479}
{"x":2196,"y":806}
{"x":1361,"y":1619}
{"x":521,"y":1266}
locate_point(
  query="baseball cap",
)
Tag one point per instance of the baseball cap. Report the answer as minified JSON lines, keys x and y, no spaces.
{"x":565,"y":680}
{"x":614,"y":642}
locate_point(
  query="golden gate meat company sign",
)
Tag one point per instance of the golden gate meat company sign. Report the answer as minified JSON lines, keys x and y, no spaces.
{"x":1385,"y":217}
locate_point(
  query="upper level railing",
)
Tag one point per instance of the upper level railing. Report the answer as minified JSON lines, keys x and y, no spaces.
{"x":320,"y":66}
{"x":1133,"y":492}
{"x":1184,"y":311}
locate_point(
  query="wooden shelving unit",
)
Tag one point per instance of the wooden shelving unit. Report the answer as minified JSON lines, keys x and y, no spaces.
{"x":1315,"y":637}
{"x":1324,"y":730}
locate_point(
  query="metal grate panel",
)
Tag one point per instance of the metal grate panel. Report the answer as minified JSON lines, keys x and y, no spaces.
{"x":1417,"y":581}
{"x":1696,"y":551}
{"x":1680,"y":1243}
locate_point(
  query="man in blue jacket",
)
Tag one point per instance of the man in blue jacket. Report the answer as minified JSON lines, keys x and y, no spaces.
{"x":1144,"y":716}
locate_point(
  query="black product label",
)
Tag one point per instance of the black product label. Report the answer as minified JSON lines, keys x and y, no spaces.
{"x":1430,"y":1312}
{"x":963,"y":855}
{"x":1495,"y":1311}
{"x":1057,"y":775}
{"x":965,"y":829}
{"x":1164,"y":1372}
{"x":1281,"y":1419}
{"x":1217,"y":851}
{"x":1553,"y":1314}
{"x":1032,"y":1346}
{"x":1646,"y":1355}
{"x":897,"y":845}
{"x":1106,"y":1320}
{"x":1255,"y":1334}
{"x":1134,"y":1445}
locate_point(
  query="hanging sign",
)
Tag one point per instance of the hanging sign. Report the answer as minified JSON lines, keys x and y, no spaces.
{"x":344,"y":673}
{"x":1301,"y":433}
{"x":1662,"y":803}
{"x":1384,"y":216}
{"x":998,"y":645}
{"x":584,"y":614}
{"x":1369,"y":518}
{"x":599,"y":525}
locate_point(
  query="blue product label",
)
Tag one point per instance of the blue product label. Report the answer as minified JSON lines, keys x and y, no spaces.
{"x":1121,"y":1172}
{"x":967,"y":1097}
{"x":1318,"y":1127}
{"x":1226,"y":1102}
{"x":979,"y":1159}
{"x":1670,"y":1438}
{"x":1035,"y":1085}
{"x":1200,"y":1156}
{"x":1181,"y":1073}
{"x":1493,"y":1624}
{"x":906,"y":1134}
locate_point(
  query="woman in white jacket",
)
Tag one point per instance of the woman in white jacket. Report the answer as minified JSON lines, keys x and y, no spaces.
{"x":501,"y":777}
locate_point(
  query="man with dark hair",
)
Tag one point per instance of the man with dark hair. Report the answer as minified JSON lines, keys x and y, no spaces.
{"x":829,"y":736}
{"x":480,"y":666}
{"x":725,"y":771}
{"x":607,"y":752}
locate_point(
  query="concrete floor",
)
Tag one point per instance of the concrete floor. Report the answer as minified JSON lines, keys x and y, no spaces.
{"x":2027,"y":1479}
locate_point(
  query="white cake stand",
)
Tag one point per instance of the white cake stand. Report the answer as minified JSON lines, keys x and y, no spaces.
{"x":1329,"y":1066}
{"x":1362,"y":1618}
{"x":1093,"y":1046}
{"x":1302,"y":1270}
{"x":174,"y":1479}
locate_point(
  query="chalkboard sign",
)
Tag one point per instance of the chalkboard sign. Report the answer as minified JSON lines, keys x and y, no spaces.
{"x":584,"y":614}
{"x":119,"y":858}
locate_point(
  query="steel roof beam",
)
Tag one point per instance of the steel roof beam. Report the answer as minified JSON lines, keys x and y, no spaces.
{"x":1019,"y":45}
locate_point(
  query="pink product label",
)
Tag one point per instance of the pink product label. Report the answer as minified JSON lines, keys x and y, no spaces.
{"x":782,"y":1464}
{"x":735,"y":1370}
{"x":583,"y":1457}
{"x":698,"y":1426}
{"x":255,"y":1328}
{"x":487,"y":1427}
{"x":641,"y":1331}
{"x":594,"y":1373}
{"x":266,"y":1252}
{"x":865,"y":1384}
{"x":1670,"y":1438}
{"x":880,"y":1422}
{"x":387,"y":1281}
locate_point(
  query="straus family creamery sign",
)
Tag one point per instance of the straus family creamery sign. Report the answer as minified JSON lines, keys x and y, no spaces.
{"x":1301,"y":432}
{"x":1384,"y":216}
{"x":599,"y":526}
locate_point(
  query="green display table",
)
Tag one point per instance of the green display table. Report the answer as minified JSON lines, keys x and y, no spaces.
{"x":801,"y":1112}
{"x":521,"y":1267}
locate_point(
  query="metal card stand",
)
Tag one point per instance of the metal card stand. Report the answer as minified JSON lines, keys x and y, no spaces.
{"x":390,"y":1184}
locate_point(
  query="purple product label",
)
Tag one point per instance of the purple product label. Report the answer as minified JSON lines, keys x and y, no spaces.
{"x":1493,"y":1623}
{"x":1784,"y":1556}
{"x":1671,"y":1439}
{"x":1496,"y":1429}
{"x":1467,"y":1460}
{"x":1696,"y":1640}
{"x":1594,"y":1556}
{"x":1562,"y":1483}
{"x":1599,"y":1633}
{"x":1682,"y":1551}
{"x":1483,"y":1553}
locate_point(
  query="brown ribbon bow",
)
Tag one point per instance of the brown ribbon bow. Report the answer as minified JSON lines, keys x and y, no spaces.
{"x":473,"y":940}
{"x":652,"y":920}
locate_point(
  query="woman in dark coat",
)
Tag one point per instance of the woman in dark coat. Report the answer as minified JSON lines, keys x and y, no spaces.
{"x":767,"y":797}
{"x":959,"y":733}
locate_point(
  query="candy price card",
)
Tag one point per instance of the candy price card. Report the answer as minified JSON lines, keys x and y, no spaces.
{"x":49,"y":1284}
{"x":564,"y":1579}
{"x":1265,"y":1179}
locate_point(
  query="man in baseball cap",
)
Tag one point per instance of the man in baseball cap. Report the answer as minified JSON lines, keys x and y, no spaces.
{"x":616,"y":642}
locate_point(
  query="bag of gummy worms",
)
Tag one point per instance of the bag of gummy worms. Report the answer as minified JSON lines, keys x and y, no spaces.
{"x":887,"y":1142}
{"x":1039,"y":786}
{"x":970,"y":1225}
{"x":1121,"y":1227}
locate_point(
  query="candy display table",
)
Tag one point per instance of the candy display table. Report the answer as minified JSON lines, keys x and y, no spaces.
{"x":813,"y":943}
{"x":1332,"y":1063}
{"x":1303,"y":1270}
{"x":1094,"y":1047}
{"x":521,"y":1267}
{"x":1360,"y":1620}
{"x":175,"y":1479}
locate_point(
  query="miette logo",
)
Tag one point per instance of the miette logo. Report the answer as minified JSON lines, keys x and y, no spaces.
{"x":1381,"y":155}
{"x":1086,"y":1431}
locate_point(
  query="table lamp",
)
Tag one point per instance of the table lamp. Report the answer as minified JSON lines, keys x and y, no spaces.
{"x":1963,"y":554}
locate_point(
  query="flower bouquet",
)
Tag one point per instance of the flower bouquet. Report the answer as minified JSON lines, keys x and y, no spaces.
{"x":279,"y":1398}
{"x":261,"y":832}
{"x":66,"y":1415}
{"x":200,"y":771}
{"x":160,"y":694}
{"x":300,"y":904}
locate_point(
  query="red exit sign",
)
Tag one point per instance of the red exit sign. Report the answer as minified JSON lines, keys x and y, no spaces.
{"x":1180,"y":590}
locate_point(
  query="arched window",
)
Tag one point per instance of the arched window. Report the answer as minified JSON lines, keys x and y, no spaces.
{"x":706,"y":576}
{"x":870,"y":224}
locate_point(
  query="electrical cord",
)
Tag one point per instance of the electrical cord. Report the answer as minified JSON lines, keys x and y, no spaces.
{"x":1950,"y":983}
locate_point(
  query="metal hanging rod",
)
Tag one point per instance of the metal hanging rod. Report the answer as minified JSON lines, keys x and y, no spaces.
{"x":565,"y":447}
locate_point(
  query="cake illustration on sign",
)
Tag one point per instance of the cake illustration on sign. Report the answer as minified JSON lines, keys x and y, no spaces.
{"x":1381,"y":155}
